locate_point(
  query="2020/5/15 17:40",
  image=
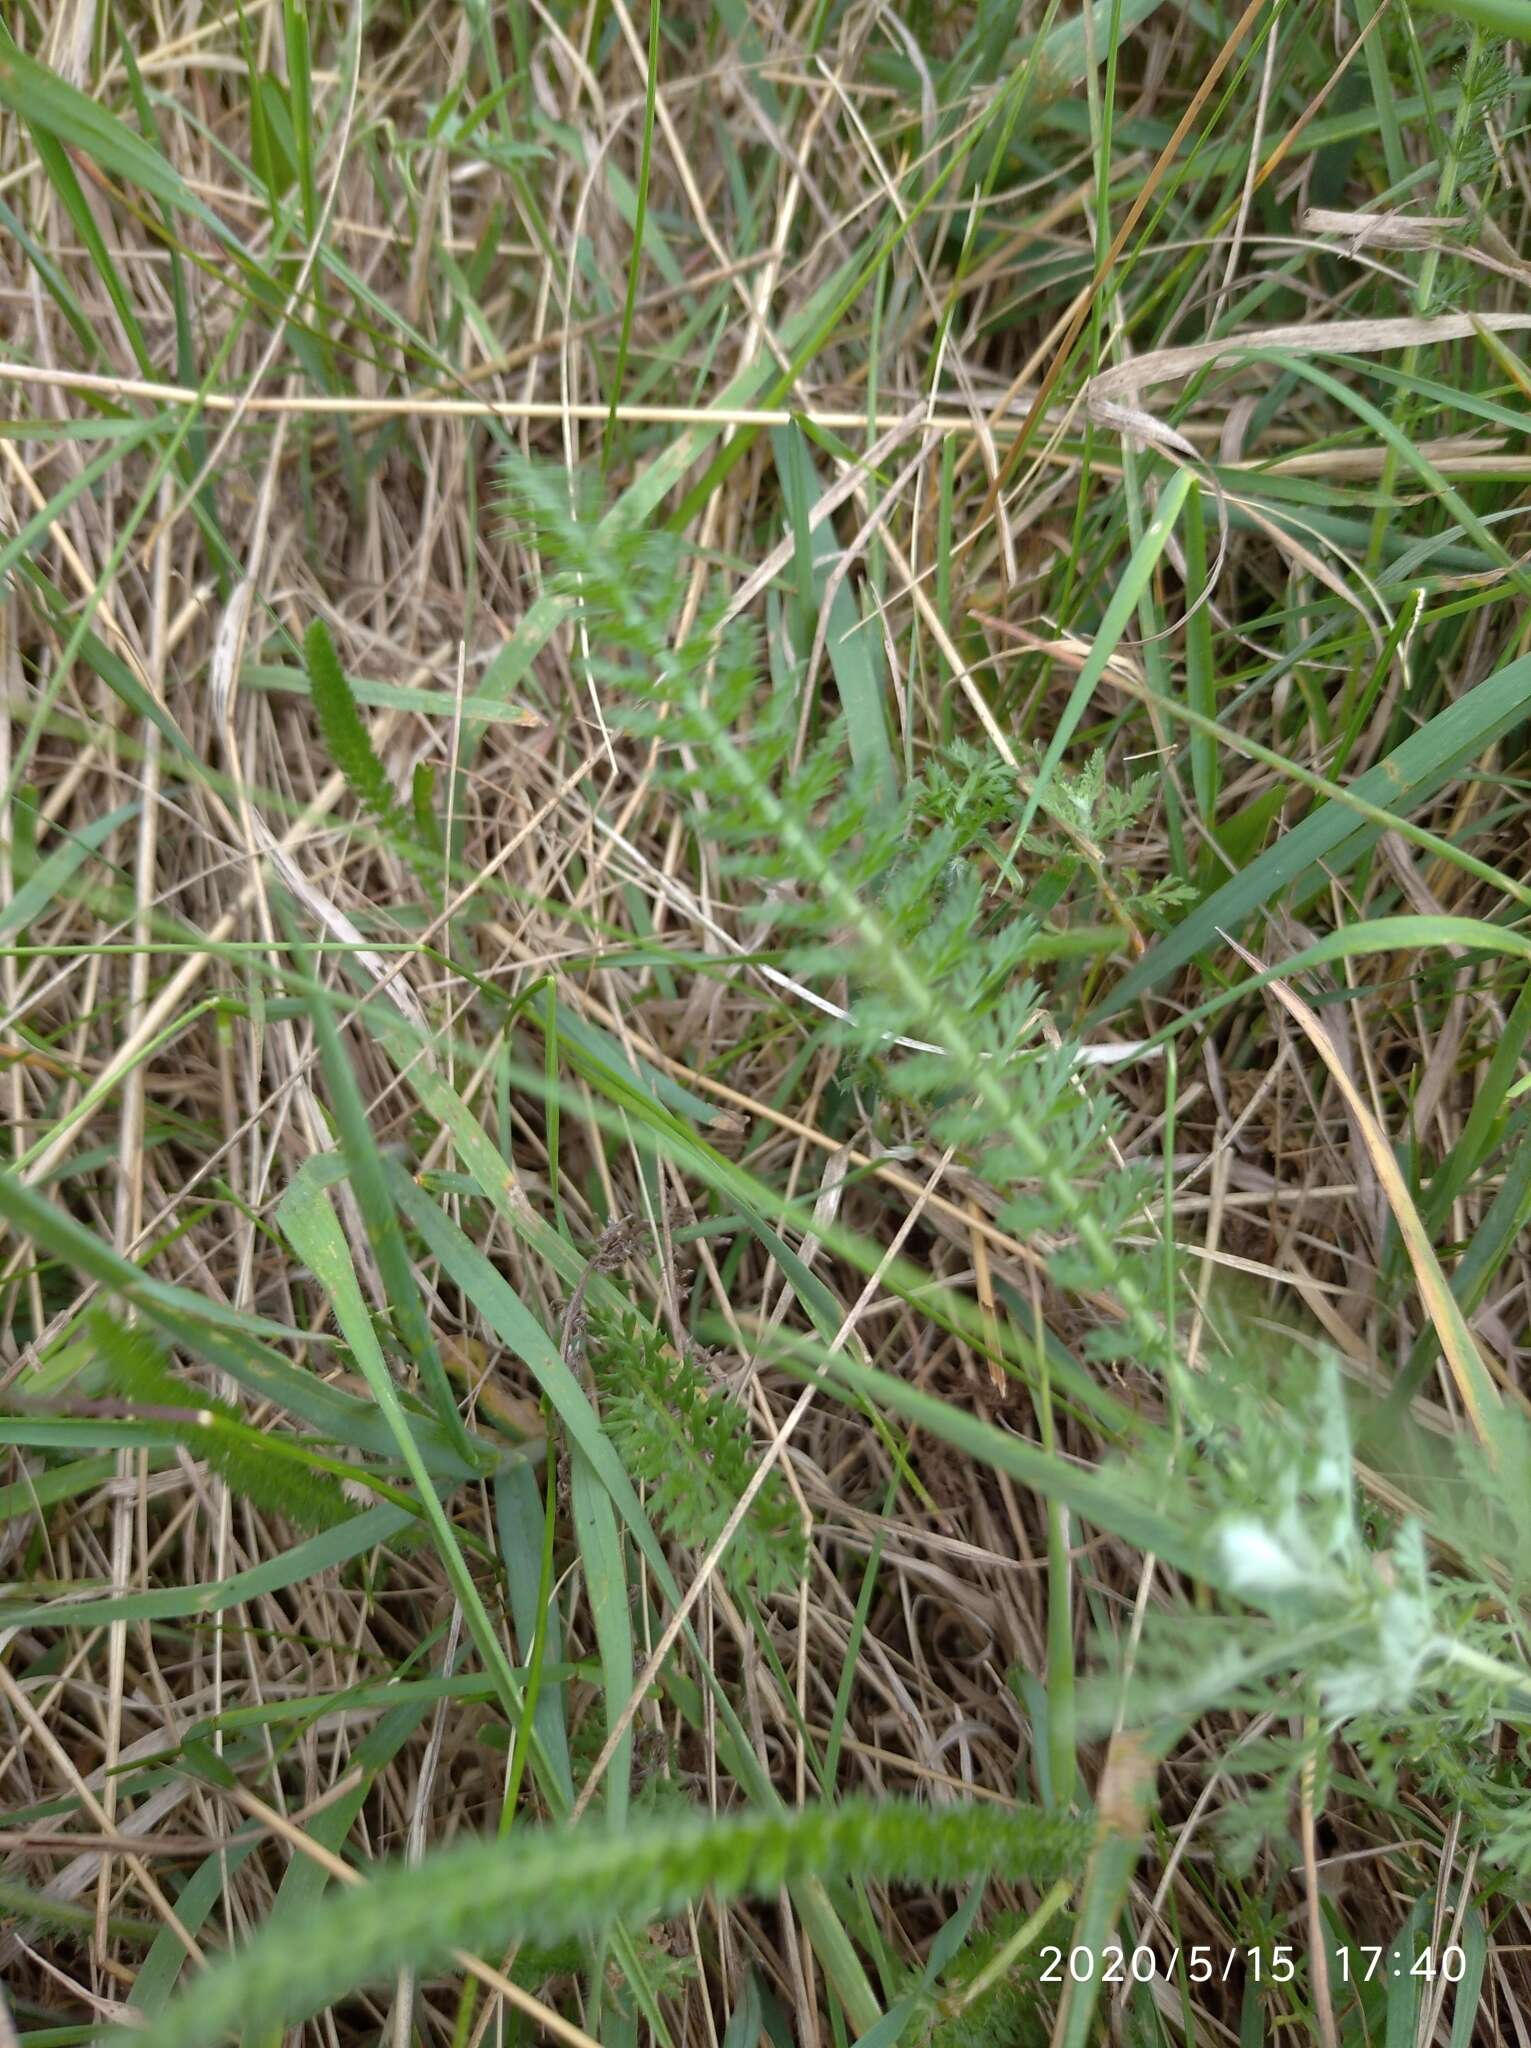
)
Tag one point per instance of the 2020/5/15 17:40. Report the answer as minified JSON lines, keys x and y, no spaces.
{"x":1362,"y":1964}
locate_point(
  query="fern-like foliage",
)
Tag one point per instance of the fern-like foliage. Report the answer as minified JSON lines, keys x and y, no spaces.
{"x":412,"y":827}
{"x":1342,"y":1617}
{"x":340,"y":725}
{"x":919,"y":922}
{"x":1007,"y":2013}
{"x":273,"y":1472}
{"x":689,"y":1443}
{"x":898,"y":903}
{"x":577,"y":1881}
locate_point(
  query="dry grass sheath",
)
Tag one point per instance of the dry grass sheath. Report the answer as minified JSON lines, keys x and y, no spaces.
{"x":763,"y":1007}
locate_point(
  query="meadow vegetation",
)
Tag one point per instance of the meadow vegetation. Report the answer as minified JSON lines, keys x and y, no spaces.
{"x":764,"y":958}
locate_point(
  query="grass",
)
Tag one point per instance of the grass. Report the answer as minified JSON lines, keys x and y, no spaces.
{"x":763,"y":800}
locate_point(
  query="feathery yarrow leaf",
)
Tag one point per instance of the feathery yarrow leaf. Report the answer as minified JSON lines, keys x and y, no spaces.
{"x":340,"y":724}
{"x":689,"y":1443}
{"x":272,"y":1471}
{"x":545,"y":1886}
{"x":900,"y":902}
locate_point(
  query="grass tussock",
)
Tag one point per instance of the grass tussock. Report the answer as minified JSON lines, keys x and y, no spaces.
{"x":763,"y":945}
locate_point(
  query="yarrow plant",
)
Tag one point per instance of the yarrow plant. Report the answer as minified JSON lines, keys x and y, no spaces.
{"x":688,"y":1441}
{"x":1323,"y":1606}
{"x":943,"y":996}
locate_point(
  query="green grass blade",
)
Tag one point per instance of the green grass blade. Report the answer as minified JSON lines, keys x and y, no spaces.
{"x":308,"y":1220}
{"x":1415,"y":770}
{"x":45,"y":101}
{"x":1118,"y":616}
{"x":640,"y":218}
{"x":1200,"y":677}
{"x":56,"y":869}
{"x":610,"y":1597}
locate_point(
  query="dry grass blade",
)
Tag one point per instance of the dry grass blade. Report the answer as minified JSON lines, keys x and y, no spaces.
{"x":1322,"y":338}
{"x":1480,"y":1397}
